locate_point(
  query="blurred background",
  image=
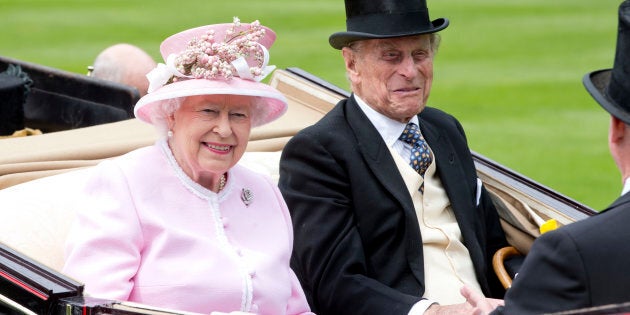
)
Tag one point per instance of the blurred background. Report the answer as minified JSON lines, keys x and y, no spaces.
{"x":510,"y":70}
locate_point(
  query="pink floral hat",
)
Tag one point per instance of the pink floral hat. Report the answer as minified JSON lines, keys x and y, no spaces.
{"x":215,"y":59}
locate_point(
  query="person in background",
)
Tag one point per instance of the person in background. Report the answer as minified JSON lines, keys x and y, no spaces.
{"x":124,"y":63}
{"x":179,"y":224}
{"x":388,"y":212}
{"x":584,"y":264}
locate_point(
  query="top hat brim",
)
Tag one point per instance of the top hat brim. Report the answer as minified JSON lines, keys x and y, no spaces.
{"x":595,"y":83}
{"x":341,"y":39}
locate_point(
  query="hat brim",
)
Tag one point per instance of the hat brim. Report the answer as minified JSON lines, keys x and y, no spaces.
{"x":595,"y":83}
{"x":342,"y":39}
{"x":274,"y":103}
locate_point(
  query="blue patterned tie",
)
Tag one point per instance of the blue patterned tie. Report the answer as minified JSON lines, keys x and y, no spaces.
{"x":420,"y":158}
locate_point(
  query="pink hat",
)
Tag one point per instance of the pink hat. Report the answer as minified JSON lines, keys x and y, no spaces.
{"x":215,"y":59}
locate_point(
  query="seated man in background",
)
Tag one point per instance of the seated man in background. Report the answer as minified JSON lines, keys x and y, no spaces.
{"x":124,"y":63}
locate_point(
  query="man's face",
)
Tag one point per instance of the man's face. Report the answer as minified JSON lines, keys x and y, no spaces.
{"x":392,"y":75}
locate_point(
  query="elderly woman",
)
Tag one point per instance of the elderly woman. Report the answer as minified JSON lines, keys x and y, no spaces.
{"x":179,"y":224}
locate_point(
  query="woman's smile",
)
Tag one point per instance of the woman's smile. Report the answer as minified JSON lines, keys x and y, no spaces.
{"x":218,"y":148}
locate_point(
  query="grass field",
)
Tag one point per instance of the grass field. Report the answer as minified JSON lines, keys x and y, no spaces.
{"x":510,"y":70}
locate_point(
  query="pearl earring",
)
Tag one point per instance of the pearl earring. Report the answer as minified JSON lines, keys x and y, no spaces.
{"x":169,"y":134}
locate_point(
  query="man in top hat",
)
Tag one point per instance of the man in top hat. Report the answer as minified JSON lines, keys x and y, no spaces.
{"x":389,"y":215}
{"x":585,"y":264}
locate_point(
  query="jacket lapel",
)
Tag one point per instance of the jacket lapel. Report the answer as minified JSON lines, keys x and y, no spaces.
{"x":456,"y":185}
{"x":381,"y":163}
{"x":376,"y":154}
{"x":449,"y":168}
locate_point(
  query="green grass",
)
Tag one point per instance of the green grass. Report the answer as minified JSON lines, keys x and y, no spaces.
{"x":510,"y":70}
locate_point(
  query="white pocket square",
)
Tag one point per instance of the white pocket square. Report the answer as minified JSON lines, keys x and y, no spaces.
{"x":478,"y":196}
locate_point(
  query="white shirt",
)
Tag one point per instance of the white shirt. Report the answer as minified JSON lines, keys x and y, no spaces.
{"x":626,"y":186}
{"x":389,"y":129}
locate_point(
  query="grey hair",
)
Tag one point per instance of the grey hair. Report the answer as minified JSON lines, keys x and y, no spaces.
{"x":160,"y":113}
{"x":434,"y":40}
{"x":126,"y":64}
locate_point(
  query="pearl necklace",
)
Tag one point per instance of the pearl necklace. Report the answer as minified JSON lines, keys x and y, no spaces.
{"x":222,"y":182}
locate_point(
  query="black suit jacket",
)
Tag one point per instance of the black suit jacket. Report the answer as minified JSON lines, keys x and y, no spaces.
{"x":583,"y":264}
{"x":358,"y":248}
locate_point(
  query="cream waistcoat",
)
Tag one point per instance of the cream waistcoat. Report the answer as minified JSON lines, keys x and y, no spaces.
{"x":447,"y":263}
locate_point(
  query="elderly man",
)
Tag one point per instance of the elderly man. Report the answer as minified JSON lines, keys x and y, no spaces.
{"x":388,"y":212}
{"x":584,"y":264}
{"x":126,"y":64}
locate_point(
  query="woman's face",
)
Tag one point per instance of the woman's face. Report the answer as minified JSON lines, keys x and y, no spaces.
{"x":210,"y":134}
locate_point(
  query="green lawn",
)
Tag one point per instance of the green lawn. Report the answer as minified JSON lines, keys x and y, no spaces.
{"x":510,"y":70}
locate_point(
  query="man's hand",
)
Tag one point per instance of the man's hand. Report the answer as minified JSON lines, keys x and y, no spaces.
{"x":454,"y":309}
{"x":479,"y":305}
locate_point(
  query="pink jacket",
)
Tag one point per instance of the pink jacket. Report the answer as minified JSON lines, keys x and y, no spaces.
{"x":145,"y":232}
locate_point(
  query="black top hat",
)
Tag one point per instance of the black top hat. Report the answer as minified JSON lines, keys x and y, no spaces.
{"x":366,"y":19}
{"x":611,"y":87}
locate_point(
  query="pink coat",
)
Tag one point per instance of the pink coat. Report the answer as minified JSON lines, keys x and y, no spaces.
{"x":145,"y":232}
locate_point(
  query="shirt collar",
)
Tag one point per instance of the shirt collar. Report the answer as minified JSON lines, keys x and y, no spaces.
{"x":626,"y":186}
{"x":388,"y":128}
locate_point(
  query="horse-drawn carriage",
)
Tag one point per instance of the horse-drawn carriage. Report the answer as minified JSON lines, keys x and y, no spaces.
{"x":38,"y":175}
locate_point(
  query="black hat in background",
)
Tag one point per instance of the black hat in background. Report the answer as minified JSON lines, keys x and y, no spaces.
{"x":611,"y":87}
{"x":369,"y":19}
